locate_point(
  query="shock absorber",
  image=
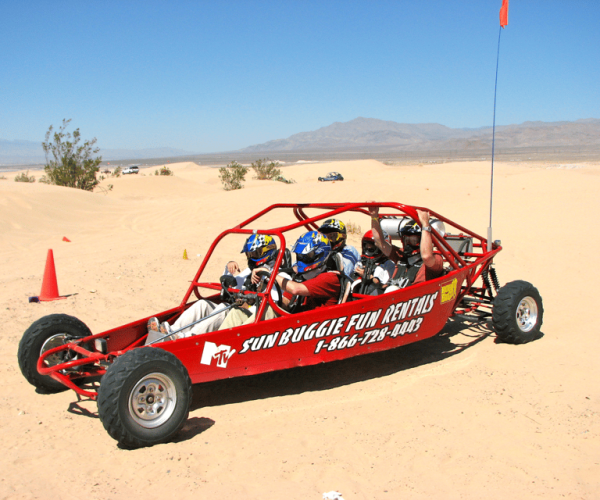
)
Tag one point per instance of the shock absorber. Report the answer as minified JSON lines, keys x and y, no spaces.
{"x":494,"y":277}
{"x":486,"y":282}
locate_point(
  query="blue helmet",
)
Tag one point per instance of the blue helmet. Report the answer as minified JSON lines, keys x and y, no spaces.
{"x":312,"y":251}
{"x":260,"y":249}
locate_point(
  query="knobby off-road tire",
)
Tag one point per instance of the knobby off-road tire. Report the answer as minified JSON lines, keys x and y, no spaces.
{"x":44,"y":334}
{"x":518,"y":313}
{"x":144,"y":397}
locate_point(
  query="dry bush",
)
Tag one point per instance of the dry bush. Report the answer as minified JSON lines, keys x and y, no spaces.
{"x":24,"y":177}
{"x":164,"y":170}
{"x":353,"y":228}
{"x":232,"y":176}
{"x":266,"y":169}
{"x":72,"y":165}
{"x":281,"y":178}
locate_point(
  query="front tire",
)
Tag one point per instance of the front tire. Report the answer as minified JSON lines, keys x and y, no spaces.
{"x":518,"y":313}
{"x":144,"y":397}
{"x":44,"y":334}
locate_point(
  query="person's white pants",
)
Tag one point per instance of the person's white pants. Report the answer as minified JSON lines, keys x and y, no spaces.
{"x":196,"y":311}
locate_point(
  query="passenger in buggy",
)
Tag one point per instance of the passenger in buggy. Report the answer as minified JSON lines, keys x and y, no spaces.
{"x":375,"y":270}
{"x":336,"y":233}
{"x":415,"y":262}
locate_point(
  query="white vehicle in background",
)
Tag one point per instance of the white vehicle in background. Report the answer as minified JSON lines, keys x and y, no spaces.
{"x":131,"y":169}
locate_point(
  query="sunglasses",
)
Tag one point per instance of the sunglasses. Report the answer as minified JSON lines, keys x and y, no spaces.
{"x":306,"y":258}
{"x":257,"y":254}
{"x":333,"y":236}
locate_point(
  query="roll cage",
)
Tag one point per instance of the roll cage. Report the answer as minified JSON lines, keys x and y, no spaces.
{"x":476,"y":261}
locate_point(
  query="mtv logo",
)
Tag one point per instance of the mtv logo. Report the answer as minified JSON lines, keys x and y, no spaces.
{"x":221,"y":353}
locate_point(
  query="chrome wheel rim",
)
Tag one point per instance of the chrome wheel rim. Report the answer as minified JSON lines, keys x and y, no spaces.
{"x":52,"y":342}
{"x":527,"y":314}
{"x":152,"y":401}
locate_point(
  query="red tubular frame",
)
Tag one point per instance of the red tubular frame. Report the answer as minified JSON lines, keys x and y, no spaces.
{"x":466,"y":269}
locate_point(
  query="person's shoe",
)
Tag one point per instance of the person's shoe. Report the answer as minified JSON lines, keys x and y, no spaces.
{"x":153,"y":325}
{"x":165,"y":329}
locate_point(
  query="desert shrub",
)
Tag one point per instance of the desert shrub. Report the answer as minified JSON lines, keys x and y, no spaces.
{"x":72,"y":165}
{"x":116,"y":172}
{"x":232,"y":176}
{"x":353,"y":228}
{"x":3,"y":178}
{"x":281,"y":178}
{"x":44,"y":180}
{"x":105,"y":190}
{"x":24,"y":177}
{"x":266,"y":169}
{"x":164,"y":170}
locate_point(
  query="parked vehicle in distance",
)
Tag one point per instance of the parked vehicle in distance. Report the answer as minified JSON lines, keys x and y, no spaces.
{"x":131,"y":169}
{"x":332,"y":176}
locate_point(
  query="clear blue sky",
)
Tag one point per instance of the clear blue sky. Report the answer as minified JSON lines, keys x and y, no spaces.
{"x":209,"y":76}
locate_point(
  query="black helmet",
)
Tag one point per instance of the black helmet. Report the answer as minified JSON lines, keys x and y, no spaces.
{"x":409,"y":227}
{"x":337,"y":240}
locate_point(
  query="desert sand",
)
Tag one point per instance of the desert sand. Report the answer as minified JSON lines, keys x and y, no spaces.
{"x":458,"y":416}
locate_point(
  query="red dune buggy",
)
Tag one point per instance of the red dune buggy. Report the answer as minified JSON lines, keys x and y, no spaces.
{"x":145,"y":390}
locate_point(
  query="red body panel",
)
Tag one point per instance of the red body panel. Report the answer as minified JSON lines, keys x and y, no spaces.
{"x":367,"y":325}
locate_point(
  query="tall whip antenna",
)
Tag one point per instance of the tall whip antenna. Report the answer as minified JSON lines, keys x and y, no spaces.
{"x":503,"y":23}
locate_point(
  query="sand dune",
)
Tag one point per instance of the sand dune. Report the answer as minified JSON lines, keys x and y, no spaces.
{"x":457,"y":416}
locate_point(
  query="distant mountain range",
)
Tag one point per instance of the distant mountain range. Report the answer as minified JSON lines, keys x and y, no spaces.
{"x":31,"y":153}
{"x":367,"y":135}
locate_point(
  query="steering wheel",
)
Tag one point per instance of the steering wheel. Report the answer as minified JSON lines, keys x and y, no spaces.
{"x":266,"y":274}
{"x":227,"y":282}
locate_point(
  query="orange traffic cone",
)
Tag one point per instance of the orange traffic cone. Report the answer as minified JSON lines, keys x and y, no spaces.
{"x":185,"y":257}
{"x":66,"y":239}
{"x":49,"y":285}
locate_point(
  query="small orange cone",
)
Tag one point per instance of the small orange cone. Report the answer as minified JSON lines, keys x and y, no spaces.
{"x":185,"y":257}
{"x":66,"y":239}
{"x":49,"y":285}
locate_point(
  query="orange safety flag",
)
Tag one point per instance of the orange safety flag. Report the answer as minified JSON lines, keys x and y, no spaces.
{"x":504,"y":13}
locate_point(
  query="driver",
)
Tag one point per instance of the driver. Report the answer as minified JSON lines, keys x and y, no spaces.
{"x":313,"y":286}
{"x":261,"y":251}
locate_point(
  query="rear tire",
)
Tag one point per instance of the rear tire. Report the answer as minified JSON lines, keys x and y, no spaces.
{"x":518,"y":313}
{"x":144,"y":397}
{"x":44,"y":334}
